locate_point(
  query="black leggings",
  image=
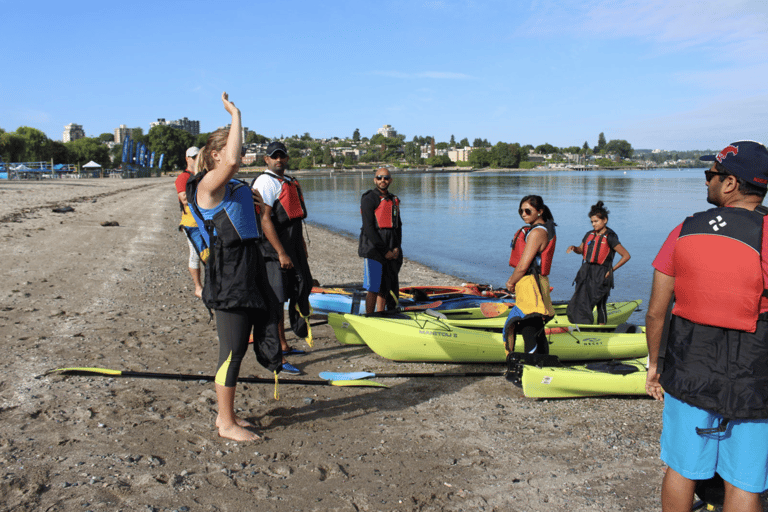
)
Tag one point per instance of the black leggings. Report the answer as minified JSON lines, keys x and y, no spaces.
{"x":234,"y":327}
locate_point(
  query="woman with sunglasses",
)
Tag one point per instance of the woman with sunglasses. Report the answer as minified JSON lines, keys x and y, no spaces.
{"x":533,"y":247}
{"x":595,"y":277}
{"x":235,"y":276}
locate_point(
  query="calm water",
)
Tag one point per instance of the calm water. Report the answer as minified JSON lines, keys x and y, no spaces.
{"x":462,"y":223}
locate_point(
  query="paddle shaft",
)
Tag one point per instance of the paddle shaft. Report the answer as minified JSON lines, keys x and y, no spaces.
{"x":411,"y":375}
{"x":186,"y":376}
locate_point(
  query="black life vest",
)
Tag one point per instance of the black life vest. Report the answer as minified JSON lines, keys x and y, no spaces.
{"x":518,"y":247}
{"x":596,"y":248}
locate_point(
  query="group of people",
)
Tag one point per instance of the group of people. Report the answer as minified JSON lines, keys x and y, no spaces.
{"x":707,"y":323}
{"x":532,"y":251}
{"x":251,"y":242}
{"x":708,"y":355}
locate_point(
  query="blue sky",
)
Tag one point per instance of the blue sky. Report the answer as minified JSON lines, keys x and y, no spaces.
{"x":668,"y":74}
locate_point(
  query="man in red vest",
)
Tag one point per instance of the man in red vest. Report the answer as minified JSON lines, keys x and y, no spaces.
{"x":712,"y":372}
{"x":380,"y":239}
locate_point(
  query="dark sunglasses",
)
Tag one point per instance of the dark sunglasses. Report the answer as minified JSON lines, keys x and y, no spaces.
{"x":278,"y":154}
{"x":711,"y":174}
{"x":527,"y":211}
{"x":383,"y":177}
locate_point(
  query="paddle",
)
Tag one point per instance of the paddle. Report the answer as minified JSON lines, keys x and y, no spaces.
{"x":355,"y":376}
{"x":106,"y":372}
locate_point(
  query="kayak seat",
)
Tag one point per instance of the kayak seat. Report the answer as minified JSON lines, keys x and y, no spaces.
{"x":627,"y":328}
{"x":613,"y":367}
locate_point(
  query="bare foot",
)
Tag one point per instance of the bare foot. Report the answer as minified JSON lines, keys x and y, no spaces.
{"x":240,"y":422}
{"x":199,"y":293}
{"x":238,"y":433}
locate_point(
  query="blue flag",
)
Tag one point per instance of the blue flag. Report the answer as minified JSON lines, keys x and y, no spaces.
{"x":160,"y":165}
{"x":152,"y":160}
{"x":126,"y":144}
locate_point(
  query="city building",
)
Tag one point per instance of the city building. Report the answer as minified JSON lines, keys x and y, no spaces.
{"x":73,"y":132}
{"x":122,"y":132}
{"x":387,"y":131}
{"x":184,"y":123}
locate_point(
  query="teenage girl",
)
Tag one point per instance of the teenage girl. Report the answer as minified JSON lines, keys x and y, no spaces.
{"x":595,"y":277}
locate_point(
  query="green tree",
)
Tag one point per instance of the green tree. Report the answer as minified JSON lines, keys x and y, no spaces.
{"x":506,"y":156}
{"x":356,"y":135}
{"x":546,"y":149}
{"x":58,"y":152}
{"x":463,"y":143}
{"x":82,"y":151}
{"x":600,"y":143}
{"x":171,"y":142}
{"x":441,"y":145}
{"x":621,"y":147}
{"x":12,"y":147}
{"x":480,"y":158}
{"x":439,"y":161}
{"x":306,"y":163}
{"x":107,"y":137}
{"x":35,"y":144}
{"x":453,"y":141}
{"x":254,"y":138}
{"x":327,"y":158}
{"x":412,"y":153}
{"x":137,"y":135}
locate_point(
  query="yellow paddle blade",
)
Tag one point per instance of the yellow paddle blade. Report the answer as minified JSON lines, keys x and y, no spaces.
{"x":105,"y":371}
{"x":359,"y":383}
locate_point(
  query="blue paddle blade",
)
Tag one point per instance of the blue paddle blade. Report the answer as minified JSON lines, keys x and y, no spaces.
{"x":345,"y":375}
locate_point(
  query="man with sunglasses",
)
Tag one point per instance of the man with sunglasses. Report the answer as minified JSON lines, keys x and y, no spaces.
{"x":285,"y":251}
{"x":380,"y":239}
{"x":711,"y":370}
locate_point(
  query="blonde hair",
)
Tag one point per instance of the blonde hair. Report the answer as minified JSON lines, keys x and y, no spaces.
{"x":216,"y":141}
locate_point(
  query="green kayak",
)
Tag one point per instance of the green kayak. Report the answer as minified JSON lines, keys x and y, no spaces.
{"x":420,"y":336}
{"x":471,"y":318}
{"x":625,"y":377}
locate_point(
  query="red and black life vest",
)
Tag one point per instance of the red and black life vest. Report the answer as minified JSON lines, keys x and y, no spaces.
{"x":596,"y":248}
{"x":519,"y":242}
{"x":387,"y":212}
{"x":725,"y":249}
{"x":289,"y":205}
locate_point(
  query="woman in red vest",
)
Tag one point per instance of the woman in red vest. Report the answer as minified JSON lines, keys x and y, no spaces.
{"x":595,"y":277}
{"x":532,"y":249}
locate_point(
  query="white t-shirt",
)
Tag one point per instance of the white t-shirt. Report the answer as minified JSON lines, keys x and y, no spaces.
{"x":269,"y":188}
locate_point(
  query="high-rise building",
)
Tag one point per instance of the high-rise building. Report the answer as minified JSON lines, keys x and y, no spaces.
{"x":387,"y":131}
{"x":184,"y":123}
{"x":73,"y":132}
{"x":122,"y":132}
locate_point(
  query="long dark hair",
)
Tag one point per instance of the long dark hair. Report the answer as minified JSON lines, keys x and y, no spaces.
{"x":538,"y":203}
{"x":599,"y":210}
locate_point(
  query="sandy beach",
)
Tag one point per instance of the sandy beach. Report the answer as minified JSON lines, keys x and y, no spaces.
{"x":76,"y":293}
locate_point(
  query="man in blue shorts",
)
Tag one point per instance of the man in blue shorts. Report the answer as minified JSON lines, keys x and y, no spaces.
{"x":380,"y":239}
{"x":712,"y":373}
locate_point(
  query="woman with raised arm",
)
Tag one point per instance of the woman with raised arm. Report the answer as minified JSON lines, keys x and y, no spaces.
{"x":533,"y":247}
{"x":595,"y":277}
{"x":235,"y":281}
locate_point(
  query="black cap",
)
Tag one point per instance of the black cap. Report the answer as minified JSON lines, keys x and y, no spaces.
{"x":746,"y":159}
{"x":276,"y":146}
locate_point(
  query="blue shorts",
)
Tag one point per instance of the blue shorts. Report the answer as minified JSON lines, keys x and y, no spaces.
{"x":739,"y":455}
{"x":373,"y":274}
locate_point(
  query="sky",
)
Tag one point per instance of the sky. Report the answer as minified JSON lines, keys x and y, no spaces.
{"x":660,"y":74}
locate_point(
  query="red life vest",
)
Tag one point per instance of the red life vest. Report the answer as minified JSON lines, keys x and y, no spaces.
{"x":596,"y":248}
{"x":290,"y":203}
{"x":519,"y":242}
{"x":724,"y":248}
{"x":387,"y":212}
